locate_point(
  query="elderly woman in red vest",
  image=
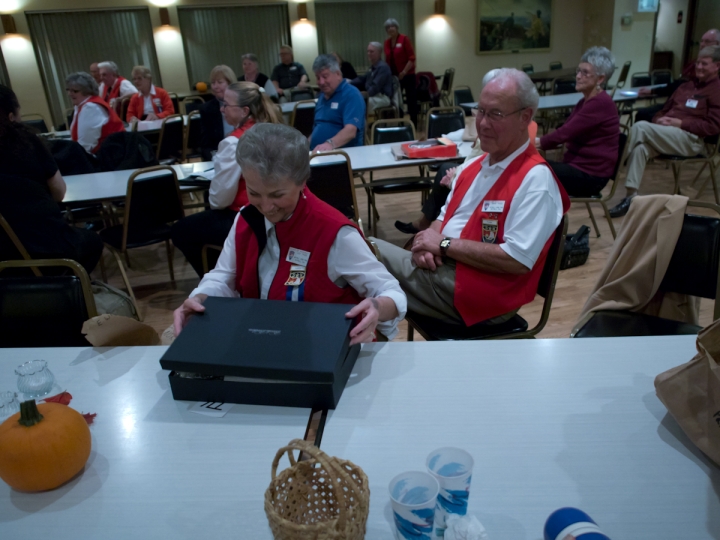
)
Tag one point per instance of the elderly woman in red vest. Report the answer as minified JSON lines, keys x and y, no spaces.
{"x":244,"y":105}
{"x":289,"y":245}
{"x":151,"y":102}
{"x":400,"y":56}
{"x":93,"y":119}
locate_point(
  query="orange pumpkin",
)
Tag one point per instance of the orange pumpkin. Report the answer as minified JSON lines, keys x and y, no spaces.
{"x":43,"y":446}
{"x":201,"y":87}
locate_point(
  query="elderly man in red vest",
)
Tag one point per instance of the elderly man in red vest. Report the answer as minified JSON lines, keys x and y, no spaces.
{"x":481,"y":260}
{"x":113,"y":86}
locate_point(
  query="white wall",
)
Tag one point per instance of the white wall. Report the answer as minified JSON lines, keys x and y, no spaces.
{"x":632,"y":42}
{"x":669,"y":35}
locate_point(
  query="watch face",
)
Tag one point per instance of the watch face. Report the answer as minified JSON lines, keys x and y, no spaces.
{"x":445,"y":243}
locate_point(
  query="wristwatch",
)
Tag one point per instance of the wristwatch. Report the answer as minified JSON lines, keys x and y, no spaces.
{"x":444,"y":245}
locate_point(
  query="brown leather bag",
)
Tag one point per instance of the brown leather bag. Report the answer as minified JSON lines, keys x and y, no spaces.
{"x":691,"y":393}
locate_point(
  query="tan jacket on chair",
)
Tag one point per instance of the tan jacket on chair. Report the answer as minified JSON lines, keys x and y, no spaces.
{"x":637,"y":263}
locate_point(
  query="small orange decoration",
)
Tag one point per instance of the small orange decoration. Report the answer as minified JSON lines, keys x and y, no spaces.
{"x":43,"y":446}
{"x":201,"y":87}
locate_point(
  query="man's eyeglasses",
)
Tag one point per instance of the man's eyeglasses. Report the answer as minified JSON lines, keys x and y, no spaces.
{"x":495,"y":115}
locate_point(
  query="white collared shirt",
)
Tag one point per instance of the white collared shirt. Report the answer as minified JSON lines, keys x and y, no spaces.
{"x":350,"y":262}
{"x":126,"y":89}
{"x":148,"y":101}
{"x":89,"y":124}
{"x":224,"y":185}
{"x":533,"y":215}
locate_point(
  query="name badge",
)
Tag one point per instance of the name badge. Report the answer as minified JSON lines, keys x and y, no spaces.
{"x":494,"y":207}
{"x":297,"y":276}
{"x":334,"y":105}
{"x":398,"y":45}
{"x":293,"y":68}
{"x":691,"y":103}
{"x":298,"y":256}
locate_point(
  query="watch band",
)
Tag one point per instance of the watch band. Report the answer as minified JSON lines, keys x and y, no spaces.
{"x":444,"y":245}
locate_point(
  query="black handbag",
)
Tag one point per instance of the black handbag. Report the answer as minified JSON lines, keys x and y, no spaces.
{"x":577,"y":248}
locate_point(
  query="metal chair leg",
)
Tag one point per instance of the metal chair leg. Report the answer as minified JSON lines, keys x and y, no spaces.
{"x":411,"y":332}
{"x":170,"y":251}
{"x":592,"y":218}
{"x":125,"y":279}
{"x":609,"y":219}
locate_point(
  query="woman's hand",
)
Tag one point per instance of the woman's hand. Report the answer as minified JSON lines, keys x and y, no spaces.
{"x":188,"y":309}
{"x":364,"y":331}
{"x":151,"y":116}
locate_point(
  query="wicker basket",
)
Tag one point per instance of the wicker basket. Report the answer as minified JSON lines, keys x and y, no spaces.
{"x":324,"y":498}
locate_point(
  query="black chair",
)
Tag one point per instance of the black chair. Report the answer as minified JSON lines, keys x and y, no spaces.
{"x":301,"y":94}
{"x":331,"y":180}
{"x":190,"y":104}
{"x":563,"y":85}
{"x":622,"y":78}
{"x":555,"y":66}
{"x":661,"y":76}
{"x":463,"y":94}
{"x":21,"y":252}
{"x":693,"y":270}
{"x":302,"y":117}
{"x":393,"y":131}
{"x":446,"y":86}
{"x":712,"y":149}
{"x":37,"y":122}
{"x":528,"y":68}
{"x":45,"y":311}
{"x":124,"y":106}
{"x":516,"y":327}
{"x":175,"y":101}
{"x":599,"y":199}
{"x":443,"y":120}
{"x":191,"y":143}
{"x":172,"y":135}
{"x":641,"y":78}
{"x":152,"y":204}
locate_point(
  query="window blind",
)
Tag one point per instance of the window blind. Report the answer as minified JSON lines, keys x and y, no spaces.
{"x":347,"y":27}
{"x":221,"y":35}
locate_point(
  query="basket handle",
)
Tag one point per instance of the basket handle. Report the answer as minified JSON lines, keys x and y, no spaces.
{"x":322,"y":458}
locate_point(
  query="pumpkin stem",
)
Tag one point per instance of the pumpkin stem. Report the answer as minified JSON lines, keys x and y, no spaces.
{"x":29,"y":414}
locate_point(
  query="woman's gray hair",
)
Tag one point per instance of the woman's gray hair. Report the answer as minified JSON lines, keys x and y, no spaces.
{"x":601,"y":59}
{"x":83,"y":82}
{"x":112,"y":66}
{"x":325,"y":61}
{"x":392,"y":22}
{"x":713,"y":51}
{"x":525,"y":90}
{"x":143,"y":71}
{"x":275,"y":152}
{"x":251,"y":57}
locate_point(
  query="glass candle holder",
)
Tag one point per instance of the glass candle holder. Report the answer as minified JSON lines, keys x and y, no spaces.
{"x":34,"y":378}
{"x":9,"y":404}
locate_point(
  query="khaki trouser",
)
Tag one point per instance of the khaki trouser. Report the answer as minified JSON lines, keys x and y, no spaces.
{"x":378,"y":101}
{"x":428,"y":293}
{"x":649,"y":140}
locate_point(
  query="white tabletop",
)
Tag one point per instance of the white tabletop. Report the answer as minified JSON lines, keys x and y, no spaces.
{"x":156,"y":470}
{"x":550,"y":423}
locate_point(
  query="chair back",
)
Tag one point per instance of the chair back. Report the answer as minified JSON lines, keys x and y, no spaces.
{"x":555,"y":65}
{"x":192,"y":133}
{"x":624,"y":72}
{"x":153,"y":200}
{"x":641,"y":78}
{"x":333,"y":183}
{"x":661,"y":76}
{"x":447,"y":80}
{"x":693,"y":268}
{"x":172,"y":133}
{"x":546,"y":285}
{"x":623,"y":138}
{"x":563,"y":85}
{"x":124,"y":106}
{"x":443,"y":120}
{"x":302,"y":117}
{"x":17,"y":244}
{"x":190,"y":104}
{"x":69,"y":114}
{"x":302,"y":94}
{"x":45,"y":311}
{"x":37,"y":122}
{"x":392,"y":131}
{"x":175,"y":101}
{"x":463,"y":94}
{"x":528,"y":68}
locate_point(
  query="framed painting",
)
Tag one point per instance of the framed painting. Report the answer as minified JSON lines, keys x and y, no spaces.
{"x":520,"y":25}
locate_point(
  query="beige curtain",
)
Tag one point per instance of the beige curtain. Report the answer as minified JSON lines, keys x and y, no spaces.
{"x":69,"y":41}
{"x":221,"y":35}
{"x":347,"y":27}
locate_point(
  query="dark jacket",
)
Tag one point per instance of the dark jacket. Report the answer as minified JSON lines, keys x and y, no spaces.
{"x":376,"y":80}
{"x":211,"y":131}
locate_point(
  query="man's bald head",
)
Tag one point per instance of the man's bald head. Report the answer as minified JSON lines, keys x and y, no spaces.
{"x":711,"y":38}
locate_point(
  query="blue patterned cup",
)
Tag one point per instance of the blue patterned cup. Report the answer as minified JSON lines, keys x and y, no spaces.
{"x":413,"y":496}
{"x":572,"y":523}
{"x":452,"y":467}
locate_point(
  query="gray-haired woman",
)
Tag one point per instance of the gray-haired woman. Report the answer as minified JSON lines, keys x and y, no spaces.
{"x":591,"y":133}
{"x":93,"y":119}
{"x":251,"y":73}
{"x":289,"y":245}
{"x":400,"y":56}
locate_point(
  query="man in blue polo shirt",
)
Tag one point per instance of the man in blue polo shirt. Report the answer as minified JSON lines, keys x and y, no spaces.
{"x":340,"y":109}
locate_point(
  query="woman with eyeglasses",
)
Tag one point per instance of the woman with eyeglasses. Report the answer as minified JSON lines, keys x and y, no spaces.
{"x":244,"y":104}
{"x":213,"y":127}
{"x":591,"y":132}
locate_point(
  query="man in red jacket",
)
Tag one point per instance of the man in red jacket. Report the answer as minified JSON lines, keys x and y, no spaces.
{"x":481,"y":260}
{"x":691,"y":114}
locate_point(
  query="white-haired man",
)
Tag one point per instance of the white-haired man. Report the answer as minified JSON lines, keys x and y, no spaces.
{"x":113,"y":86}
{"x":376,"y":81}
{"x":482,"y":258}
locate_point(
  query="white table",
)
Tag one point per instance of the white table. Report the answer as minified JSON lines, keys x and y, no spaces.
{"x":550,"y":423}
{"x":156,"y":470}
{"x":112,"y":185}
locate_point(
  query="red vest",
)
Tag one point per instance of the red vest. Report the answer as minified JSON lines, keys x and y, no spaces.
{"x":114,"y":92}
{"x":312,"y":228}
{"x":113,"y":125}
{"x":241,"y":198}
{"x":482,"y":295}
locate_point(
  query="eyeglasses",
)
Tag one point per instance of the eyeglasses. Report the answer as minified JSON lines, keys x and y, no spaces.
{"x":493,"y":116}
{"x":584,"y":73}
{"x":224,"y":105}
{"x":72,"y":90}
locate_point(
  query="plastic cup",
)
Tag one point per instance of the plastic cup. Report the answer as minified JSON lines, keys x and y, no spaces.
{"x":452,"y":467}
{"x":574,"y":523}
{"x":413,"y":496}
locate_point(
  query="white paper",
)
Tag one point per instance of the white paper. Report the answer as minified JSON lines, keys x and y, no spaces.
{"x":211,"y":408}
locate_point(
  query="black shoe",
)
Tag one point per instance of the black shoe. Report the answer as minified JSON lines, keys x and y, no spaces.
{"x":407,"y":228}
{"x":622,"y":207}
